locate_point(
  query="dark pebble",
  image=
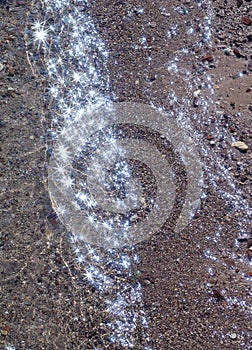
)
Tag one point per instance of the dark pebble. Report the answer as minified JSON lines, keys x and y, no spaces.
{"x":237,"y":53}
{"x":217,"y":294}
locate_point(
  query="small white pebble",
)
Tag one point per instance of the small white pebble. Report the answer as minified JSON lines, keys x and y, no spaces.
{"x":196,"y":93}
{"x":233,"y":336}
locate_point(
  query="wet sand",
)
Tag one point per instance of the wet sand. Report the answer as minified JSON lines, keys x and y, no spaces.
{"x":196,"y":284}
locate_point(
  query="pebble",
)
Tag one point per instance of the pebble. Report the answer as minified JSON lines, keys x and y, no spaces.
{"x":228,"y":52}
{"x":241,"y":146}
{"x":153,"y":24}
{"x":195,"y":102}
{"x":237,"y":53}
{"x":246,"y":20}
{"x":196,"y":93}
{"x":2,"y":123}
{"x":208,"y":58}
{"x":221,"y":36}
{"x":233,"y":336}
